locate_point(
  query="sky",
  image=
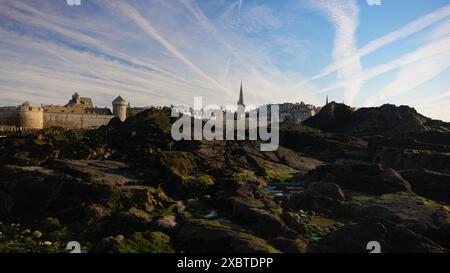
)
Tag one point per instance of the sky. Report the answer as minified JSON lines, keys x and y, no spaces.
{"x":360,"y":52}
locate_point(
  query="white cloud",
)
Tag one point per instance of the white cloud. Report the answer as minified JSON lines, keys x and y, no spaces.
{"x":147,"y":27}
{"x":103,"y":56}
{"x":436,"y":107}
{"x":412,"y":76}
{"x":430,"y":49}
{"x":345,"y":17}
{"x":407,"y":30}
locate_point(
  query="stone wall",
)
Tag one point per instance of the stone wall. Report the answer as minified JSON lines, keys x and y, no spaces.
{"x":75,"y":121}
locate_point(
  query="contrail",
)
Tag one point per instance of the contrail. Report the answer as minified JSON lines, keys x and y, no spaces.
{"x":227,"y":68}
{"x":201,"y":17}
{"x":376,"y":44}
{"x":52,"y":25}
{"x":145,"y":26}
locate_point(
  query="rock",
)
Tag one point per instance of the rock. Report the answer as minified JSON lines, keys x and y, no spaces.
{"x":206,"y":238}
{"x":119,"y":238}
{"x":353,"y":238}
{"x":60,"y":181}
{"x":265,"y":223}
{"x":405,"y":159}
{"x":48,"y":243}
{"x":443,"y":235}
{"x":106,"y":245}
{"x":325,"y":146}
{"x":96,"y":211}
{"x":166,"y":223}
{"x":299,"y":245}
{"x":295,"y":221}
{"x":429,"y":184}
{"x":363,"y":177}
{"x":50,"y":224}
{"x":37,"y":234}
{"x":146,"y":242}
{"x":331,"y":117}
{"x":392,"y":181}
{"x":329,"y":190}
{"x":385,"y":120}
{"x":26,"y":232}
{"x":319,"y":196}
{"x":406,"y":210}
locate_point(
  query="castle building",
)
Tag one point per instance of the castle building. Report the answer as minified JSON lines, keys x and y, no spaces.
{"x":78,"y":114}
{"x":78,"y":101}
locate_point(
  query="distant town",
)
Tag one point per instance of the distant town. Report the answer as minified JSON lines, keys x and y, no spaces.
{"x":81,"y":114}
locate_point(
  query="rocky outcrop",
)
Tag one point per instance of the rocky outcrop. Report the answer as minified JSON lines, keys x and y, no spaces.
{"x":405,"y":159}
{"x":97,"y":197}
{"x":319,"y":196}
{"x":363,"y":177}
{"x":430,"y":184}
{"x":355,"y":237}
{"x":324,"y":146}
{"x":213,"y":238}
{"x":332,"y":117}
{"x":128,"y":187}
{"x":385,"y":120}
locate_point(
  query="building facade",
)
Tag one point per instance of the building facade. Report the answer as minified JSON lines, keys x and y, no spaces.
{"x":296,"y":112}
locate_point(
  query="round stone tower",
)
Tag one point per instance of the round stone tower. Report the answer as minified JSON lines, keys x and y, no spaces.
{"x":120,"y":108}
{"x":31,"y":117}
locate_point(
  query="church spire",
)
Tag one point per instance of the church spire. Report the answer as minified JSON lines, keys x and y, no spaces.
{"x":241,"y":97}
{"x":326,"y":101}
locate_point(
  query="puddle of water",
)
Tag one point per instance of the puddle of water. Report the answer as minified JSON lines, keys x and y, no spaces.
{"x":280,"y":189}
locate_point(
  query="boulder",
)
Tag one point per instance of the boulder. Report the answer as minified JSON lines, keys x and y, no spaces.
{"x":206,"y":238}
{"x":404,"y":159}
{"x":430,"y":184}
{"x":299,"y":245}
{"x":363,"y":177}
{"x":443,"y":235}
{"x":166,"y":224}
{"x":319,"y":196}
{"x":406,"y":210}
{"x":354,"y":238}
{"x":265,"y":223}
{"x":329,"y":190}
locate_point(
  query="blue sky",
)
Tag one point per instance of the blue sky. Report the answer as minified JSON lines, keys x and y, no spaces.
{"x":167,"y":52}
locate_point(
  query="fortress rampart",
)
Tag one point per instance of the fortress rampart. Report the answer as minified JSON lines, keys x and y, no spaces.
{"x":78,"y":114}
{"x":75,"y":121}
